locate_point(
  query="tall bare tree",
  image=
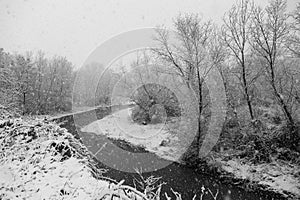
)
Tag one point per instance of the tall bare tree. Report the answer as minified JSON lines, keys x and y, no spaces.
{"x":188,"y":58}
{"x":269,"y":30}
{"x":235,"y":33}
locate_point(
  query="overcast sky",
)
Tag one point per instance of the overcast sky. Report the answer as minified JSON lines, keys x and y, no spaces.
{"x":74,"y":28}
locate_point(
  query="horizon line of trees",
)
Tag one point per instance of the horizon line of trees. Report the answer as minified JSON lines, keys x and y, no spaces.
{"x":34,"y":84}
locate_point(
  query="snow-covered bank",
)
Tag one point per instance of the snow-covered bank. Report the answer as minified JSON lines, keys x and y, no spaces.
{"x":276,"y":176}
{"x":155,"y":138}
{"x":40,"y":160}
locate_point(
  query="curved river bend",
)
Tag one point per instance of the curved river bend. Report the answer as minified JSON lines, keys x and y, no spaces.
{"x":180,"y":178}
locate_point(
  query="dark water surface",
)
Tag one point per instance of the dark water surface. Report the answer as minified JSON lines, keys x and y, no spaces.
{"x":180,"y":178}
{"x":121,"y":159}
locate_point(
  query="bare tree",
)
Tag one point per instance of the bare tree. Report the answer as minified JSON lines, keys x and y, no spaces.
{"x":235,"y":33}
{"x":188,"y":59}
{"x":269,"y":31}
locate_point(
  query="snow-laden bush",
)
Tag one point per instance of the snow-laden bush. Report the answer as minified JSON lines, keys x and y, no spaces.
{"x":154,"y":104}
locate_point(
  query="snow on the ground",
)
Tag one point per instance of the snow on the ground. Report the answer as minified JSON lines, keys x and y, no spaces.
{"x":277,"y":176}
{"x":156,"y":138}
{"x":48,"y":180}
{"x":43,"y":161}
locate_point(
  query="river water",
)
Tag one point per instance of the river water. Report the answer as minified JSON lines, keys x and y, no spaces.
{"x":180,"y":178}
{"x":121,"y":158}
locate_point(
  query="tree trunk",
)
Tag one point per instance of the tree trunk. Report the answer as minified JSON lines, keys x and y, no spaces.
{"x":249,"y":102}
{"x":279,"y":99}
{"x":245,"y":84}
{"x":284,"y":107}
{"x":200,"y":107}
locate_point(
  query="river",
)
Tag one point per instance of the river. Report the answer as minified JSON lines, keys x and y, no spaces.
{"x":120,"y":158}
{"x":187,"y":181}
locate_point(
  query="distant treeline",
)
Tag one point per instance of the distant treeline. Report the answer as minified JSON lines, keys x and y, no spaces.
{"x":34,"y":84}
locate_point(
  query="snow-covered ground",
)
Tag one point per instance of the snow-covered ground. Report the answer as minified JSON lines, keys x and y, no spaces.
{"x":161,"y":139}
{"x":276,"y":176}
{"x":40,"y":160}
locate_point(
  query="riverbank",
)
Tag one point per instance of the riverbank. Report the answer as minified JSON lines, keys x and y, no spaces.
{"x":40,"y":160}
{"x":276,"y":176}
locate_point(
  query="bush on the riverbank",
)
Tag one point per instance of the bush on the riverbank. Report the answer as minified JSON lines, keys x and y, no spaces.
{"x":154,"y":104}
{"x":262,"y":140}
